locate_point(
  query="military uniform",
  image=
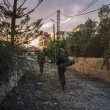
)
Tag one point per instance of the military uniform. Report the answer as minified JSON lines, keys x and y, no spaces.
{"x":63,"y":62}
{"x":41,"y":60}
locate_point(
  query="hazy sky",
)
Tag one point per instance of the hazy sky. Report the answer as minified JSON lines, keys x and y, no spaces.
{"x":68,"y":7}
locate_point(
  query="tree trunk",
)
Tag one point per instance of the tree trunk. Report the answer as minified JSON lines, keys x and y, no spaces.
{"x":13,"y":22}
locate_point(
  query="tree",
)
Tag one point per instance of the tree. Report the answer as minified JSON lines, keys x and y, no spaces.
{"x":104,"y":32}
{"x":15,"y":29}
{"x":80,"y":40}
{"x":89,"y":27}
{"x":104,"y":12}
{"x":50,"y":49}
{"x":94,"y":47}
{"x":74,"y":44}
{"x":4,"y":29}
{"x":104,"y":26}
{"x":12,"y":12}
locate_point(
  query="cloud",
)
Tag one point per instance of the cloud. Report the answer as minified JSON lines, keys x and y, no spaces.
{"x":68,"y":7}
{"x":47,"y":27}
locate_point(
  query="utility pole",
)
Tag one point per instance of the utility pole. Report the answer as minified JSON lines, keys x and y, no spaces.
{"x":54,"y":42}
{"x":58,"y":23}
{"x":108,"y":41}
{"x":54,"y":32}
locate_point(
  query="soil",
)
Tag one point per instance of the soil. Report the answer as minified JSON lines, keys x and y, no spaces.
{"x":35,"y":92}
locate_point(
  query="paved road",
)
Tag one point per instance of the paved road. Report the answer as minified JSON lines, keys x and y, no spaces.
{"x":44,"y":93}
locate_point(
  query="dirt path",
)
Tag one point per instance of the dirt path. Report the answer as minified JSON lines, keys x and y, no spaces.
{"x":82,"y":93}
{"x":44,"y":93}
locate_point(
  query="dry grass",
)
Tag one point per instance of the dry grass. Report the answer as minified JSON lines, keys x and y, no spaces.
{"x":92,"y":67}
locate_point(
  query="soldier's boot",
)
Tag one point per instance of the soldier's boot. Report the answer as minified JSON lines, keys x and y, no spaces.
{"x":41,"y":69}
{"x":63,"y":86}
{"x":61,"y":77}
{"x":62,"y":81}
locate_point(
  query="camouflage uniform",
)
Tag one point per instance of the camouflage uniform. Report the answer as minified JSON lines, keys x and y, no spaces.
{"x":41,"y":60}
{"x":63,"y":62}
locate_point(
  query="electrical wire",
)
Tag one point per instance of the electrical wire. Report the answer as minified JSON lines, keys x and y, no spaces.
{"x":81,"y":12}
{"x":49,"y":15}
{"x":89,"y":12}
{"x":85,"y":8}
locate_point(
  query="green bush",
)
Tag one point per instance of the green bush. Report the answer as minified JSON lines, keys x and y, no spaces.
{"x":8,"y":57}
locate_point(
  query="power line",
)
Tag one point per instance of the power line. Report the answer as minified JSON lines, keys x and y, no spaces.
{"x":89,"y":12}
{"x":63,"y":19}
{"x":84,"y":9}
{"x":66,"y":15}
{"x":49,"y":15}
{"x":81,"y":12}
{"x":46,"y":22}
{"x":84,"y":13}
{"x":87,"y":7}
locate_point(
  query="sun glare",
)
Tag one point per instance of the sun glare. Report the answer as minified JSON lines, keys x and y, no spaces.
{"x":35,"y":43}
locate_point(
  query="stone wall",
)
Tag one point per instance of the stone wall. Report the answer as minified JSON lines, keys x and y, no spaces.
{"x":92,"y":67}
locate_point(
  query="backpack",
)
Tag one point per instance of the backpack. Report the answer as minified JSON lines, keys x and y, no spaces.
{"x":62,"y":57}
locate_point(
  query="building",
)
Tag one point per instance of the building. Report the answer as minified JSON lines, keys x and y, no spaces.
{"x":78,"y":28}
{"x":43,"y":39}
{"x":32,"y":49}
{"x":64,"y":34}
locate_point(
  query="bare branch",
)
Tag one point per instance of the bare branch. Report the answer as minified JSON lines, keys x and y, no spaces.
{"x":40,"y":1}
{"x":22,"y":4}
{"x":9,"y":4}
{"x":6,"y":5}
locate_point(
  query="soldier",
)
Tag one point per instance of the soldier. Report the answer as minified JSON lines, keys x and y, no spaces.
{"x":63,"y":62}
{"x":41,"y":60}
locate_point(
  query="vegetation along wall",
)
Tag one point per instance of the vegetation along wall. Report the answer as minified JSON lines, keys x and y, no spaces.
{"x":93,"y":67}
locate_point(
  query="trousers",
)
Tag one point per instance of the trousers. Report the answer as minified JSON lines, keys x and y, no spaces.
{"x":41,"y":66}
{"x":61,"y":73}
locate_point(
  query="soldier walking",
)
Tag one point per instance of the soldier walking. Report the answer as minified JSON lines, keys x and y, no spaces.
{"x":41,"y":61}
{"x":62,"y":62}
